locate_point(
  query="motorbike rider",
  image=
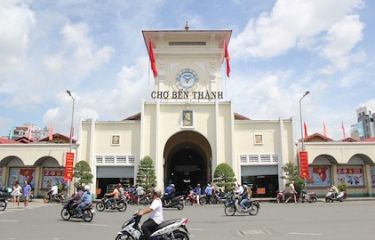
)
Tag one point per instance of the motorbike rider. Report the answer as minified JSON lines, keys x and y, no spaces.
{"x":114,"y":196}
{"x":239,"y":189}
{"x":156,"y":214}
{"x":52,"y":193}
{"x":334,"y":190}
{"x":292,"y":192}
{"x":170,"y":192}
{"x":245,"y":199}
{"x":85,"y":200}
{"x":209,"y":190}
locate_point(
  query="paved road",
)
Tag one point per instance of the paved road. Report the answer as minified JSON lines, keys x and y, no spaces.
{"x":319,"y":221}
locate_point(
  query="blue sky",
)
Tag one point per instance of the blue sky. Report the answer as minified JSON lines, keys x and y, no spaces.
{"x":279,"y":49}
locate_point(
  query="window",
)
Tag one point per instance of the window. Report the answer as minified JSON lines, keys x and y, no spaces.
{"x":131,"y":159}
{"x":254,"y":158}
{"x":99,"y":159}
{"x":243,"y":158}
{"x":258,"y":138}
{"x":109,"y":159}
{"x":115,"y":140}
{"x":187,"y":118}
{"x":121,"y":159}
{"x":265,"y":158}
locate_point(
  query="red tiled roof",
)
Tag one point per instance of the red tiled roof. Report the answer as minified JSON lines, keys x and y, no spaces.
{"x":58,"y":136}
{"x":238,"y":116}
{"x":371,"y":139}
{"x":349,"y":139}
{"x":7,"y":141}
{"x":317,"y":137}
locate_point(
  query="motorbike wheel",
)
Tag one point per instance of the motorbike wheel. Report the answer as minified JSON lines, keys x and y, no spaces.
{"x":254,"y":209}
{"x":3,"y":205}
{"x":65,"y":215}
{"x":180,"y":235}
{"x":126,"y":236}
{"x":180,"y":206}
{"x":121,"y":206}
{"x":230,"y":210}
{"x":87,"y":215}
{"x":202,"y":201}
{"x":100,"y":206}
{"x":328,"y":200}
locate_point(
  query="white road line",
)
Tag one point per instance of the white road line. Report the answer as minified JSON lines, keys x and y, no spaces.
{"x":8,"y":220}
{"x":196,"y":229}
{"x":94,"y":224}
{"x":306,"y":234}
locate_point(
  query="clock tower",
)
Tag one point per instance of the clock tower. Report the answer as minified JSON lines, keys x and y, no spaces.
{"x":188,"y":63}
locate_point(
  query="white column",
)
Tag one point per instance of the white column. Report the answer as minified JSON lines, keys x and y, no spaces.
{"x":235,"y":161}
{"x":215,"y":157}
{"x":92,"y":159}
{"x":158,"y":155}
{"x":141,"y":143}
{"x":281,"y":156}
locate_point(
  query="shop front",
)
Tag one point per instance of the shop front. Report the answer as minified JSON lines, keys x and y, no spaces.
{"x":109,"y":176}
{"x":263,"y":180}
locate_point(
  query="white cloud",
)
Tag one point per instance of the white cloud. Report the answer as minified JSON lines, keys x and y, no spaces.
{"x":78,"y":55}
{"x":16,"y":23}
{"x":309,"y":24}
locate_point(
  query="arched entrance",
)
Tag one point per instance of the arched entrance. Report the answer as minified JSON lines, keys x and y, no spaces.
{"x":188,"y":160}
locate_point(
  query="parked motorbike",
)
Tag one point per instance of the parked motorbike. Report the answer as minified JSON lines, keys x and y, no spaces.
{"x":309,"y":197}
{"x":280,"y":197}
{"x":68,"y":211}
{"x":233,"y":206}
{"x":176,"y":202}
{"x":105,"y":203}
{"x":4,"y":195}
{"x":54,"y":198}
{"x":170,"y":229}
{"x":332,"y":196}
{"x":192,"y":198}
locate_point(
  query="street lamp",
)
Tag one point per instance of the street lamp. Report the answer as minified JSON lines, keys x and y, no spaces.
{"x":71,"y":124}
{"x":300,"y":118}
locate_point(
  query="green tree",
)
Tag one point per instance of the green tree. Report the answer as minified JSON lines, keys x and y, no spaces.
{"x":146,"y":173}
{"x":292,"y":174}
{"x":224,"y":177}
{"x":82,"y":173}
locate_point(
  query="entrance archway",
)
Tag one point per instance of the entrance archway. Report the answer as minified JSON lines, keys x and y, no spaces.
{"x":188,"y":160}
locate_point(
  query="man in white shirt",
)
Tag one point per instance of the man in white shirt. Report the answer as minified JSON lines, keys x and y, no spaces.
{"x":156,"y":214}
{"x":53,"y":192}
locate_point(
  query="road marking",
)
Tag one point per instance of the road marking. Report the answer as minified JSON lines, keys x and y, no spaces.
{"x":196,"y":229}
{"x":306,"y":234}
{"x":8,"y":220}
{"x":94,"y":224}
{"x":254,"y":232}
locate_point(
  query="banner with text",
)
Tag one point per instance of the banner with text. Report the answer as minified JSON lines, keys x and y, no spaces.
{"x":303,"y":165}
{"x":69,"y":161}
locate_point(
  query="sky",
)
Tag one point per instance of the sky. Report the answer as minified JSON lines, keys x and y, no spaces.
{"x":95,"y":48}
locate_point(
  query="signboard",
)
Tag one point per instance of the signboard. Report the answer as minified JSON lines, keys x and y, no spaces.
{"x":69,"y":161}
{"x":303,"y":165}
{"x":319,"y":176}
{"x":52,"y":176}
{"x":351,"y":175}
{"x":20,"y":175}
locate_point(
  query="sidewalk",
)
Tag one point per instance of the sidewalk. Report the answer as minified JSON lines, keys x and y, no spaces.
{"x":350,"y":199}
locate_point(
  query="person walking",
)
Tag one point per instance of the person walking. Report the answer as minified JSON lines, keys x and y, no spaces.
{"x":208,"y":192}
{"x":26,"y":191}
{"x":16,"y":193}
{"x":292,"y":193}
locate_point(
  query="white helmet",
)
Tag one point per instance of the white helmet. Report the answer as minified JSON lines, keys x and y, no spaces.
{"x":87,"y":188}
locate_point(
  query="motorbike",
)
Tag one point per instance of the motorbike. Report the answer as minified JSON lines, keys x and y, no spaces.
{"x":170,"y":229}
{"x":176,"y":202}
{"x":233,"y":206}
{"x":4,"y":195}
{"x":105,"y":203}
{"x":192,"y":198}
{"x":309,"y":197}
{"x":68,"y":211}
{"x":280,"y":197}
{"x":332,"y":196}
{"x":54,"y":198}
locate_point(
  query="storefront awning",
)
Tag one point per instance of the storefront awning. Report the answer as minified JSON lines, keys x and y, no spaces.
{"x":258,"y":170}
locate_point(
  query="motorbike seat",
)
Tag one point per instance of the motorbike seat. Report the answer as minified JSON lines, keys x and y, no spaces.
{"x":166,"y":223}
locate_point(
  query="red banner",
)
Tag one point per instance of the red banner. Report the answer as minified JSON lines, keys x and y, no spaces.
{"x":303,"y":165}
{"x":69,"y":161}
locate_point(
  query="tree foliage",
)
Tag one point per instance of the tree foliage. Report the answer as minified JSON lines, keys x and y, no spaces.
{"x":82,"y":173}
{"x":292,"y":174}
{"x":224,"y":177}
{"x":146,"y":173}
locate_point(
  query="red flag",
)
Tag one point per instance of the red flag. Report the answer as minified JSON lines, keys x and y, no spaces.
{"x":50,"y":133}
{"x":325,"y":133}
{"x":343,"y":129}
{"x":152,"y":59}
{"x":226,"y":56}
{"x":305,"y":128}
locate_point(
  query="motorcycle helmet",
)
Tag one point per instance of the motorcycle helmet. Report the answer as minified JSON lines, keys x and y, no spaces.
{"x":87,"y":188}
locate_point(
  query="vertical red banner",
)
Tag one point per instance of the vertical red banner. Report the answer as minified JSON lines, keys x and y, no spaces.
{"x":69,"y":161}
{"x":304,"y":165}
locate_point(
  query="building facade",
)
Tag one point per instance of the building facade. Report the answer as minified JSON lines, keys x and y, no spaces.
{"x":187,"y":127}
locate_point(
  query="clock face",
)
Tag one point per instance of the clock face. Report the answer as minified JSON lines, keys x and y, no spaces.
{"x":187,"y":78}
